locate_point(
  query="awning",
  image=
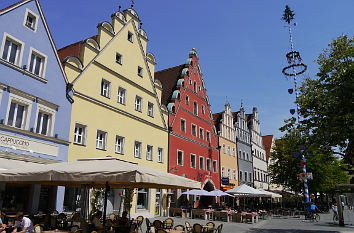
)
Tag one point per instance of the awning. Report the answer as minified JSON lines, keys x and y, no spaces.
{"x":247,"y":191}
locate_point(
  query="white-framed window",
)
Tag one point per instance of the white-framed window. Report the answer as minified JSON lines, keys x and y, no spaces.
{"x":142,"y":199}
{"x":235,"y":174}
{"x":223,"y":172}
{"x":130,"y":36}
{"x":224,"y":148}
{"x":229,"y":175}
{"x":101,"y":140}
{"x":18,"y":112}
{"x":37,"y":63}
{"x":119,"y":145}
{"x":195,"y":86}
{"x":150,"y":111}
{"x":160,"y":155}
{"x":137,"y":149}
{"x":208,"y":136}
{"x":201,"y":163}
{"x":194,"y":130}
{"x":183,"y":125}
{"x":31,"y":20}
{"x":12,"y":49}
{"x":215,"y":166}
{"x":149,"y":152}
{"x":180,"y":155}
{"x":140,"y":71}
{"x":105,"y":88}
{"x":250,"y":177}
{"x":229,"y":150}
{"x":240,"y":176}
{"x":187,"y":99}
{"x":244,"y":155}
{"x":240,"y":154}
{"x":247,"y":156}
{"x":45,"y":120}
{"x":122,"y":95}
{"x":190,"y":82}
{"x":245,"y":176}
{"x":138,"y":104}
{"x":234,"y":152}
{"x":119,"y":58}
{"x":80,"y":134}
{"x":195,"y":108}
{"x":193,"y":161}
{"x":208,"y":164}
{"x":203,"y":109}
{"x":201,"y":133}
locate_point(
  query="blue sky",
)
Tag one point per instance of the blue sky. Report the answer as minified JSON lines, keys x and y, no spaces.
{"x":241,"y":44}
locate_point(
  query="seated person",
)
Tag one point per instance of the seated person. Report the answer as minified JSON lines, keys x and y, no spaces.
{"x":124,"y":220}
{"x":97,"y":222}
{"x":24,"y":223}
{"x":2,"y":225}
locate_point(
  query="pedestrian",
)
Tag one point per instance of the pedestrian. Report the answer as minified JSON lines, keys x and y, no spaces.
{"x":24,"y":223}
{"x":335,"y":212}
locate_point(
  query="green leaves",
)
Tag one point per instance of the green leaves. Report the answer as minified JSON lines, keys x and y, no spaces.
{"x":288,"y":15}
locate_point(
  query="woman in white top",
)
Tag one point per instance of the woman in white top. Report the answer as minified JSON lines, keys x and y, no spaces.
{"x":24,"y":223}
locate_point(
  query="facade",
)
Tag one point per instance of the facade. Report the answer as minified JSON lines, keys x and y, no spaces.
{"x":268,"y":142}
{"x":117,"y":104}
{"x":260,"y":164}
{"x":224,"y":123}
{"x":193,"y":151}
{"x":34,"y":108}
{"x":244,"y":150}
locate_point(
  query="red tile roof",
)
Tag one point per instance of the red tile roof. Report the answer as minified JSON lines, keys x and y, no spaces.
{"x":248,"y":117}
{"x":216,"y":120}
{"x":13,"y":5}
{"x":234,"y":115}
{"x":267,"y":143}
{"x":168,"y":79}
{"x":72,"y":50}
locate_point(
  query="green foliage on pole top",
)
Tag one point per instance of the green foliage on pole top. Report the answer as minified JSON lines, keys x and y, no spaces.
{"x":327,"y":169}
{"x":327,"y":102}
{"x":288,"y":15}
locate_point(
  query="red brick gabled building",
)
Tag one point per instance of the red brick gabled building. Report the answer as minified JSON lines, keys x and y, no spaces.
{"x":193,"y":149}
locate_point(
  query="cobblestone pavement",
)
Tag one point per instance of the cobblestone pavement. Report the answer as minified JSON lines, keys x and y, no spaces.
{"x":283,"y":224}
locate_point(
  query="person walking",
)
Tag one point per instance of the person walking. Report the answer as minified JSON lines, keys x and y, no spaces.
{"x":335,"y":212}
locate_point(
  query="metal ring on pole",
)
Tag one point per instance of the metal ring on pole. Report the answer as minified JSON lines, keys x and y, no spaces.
{"x":304,"y":68}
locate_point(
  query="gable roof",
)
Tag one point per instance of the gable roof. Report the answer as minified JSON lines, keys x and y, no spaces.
{"x":216,"y":120}
{"x":13,"y":6}
{"x":168,"y":79}
{"x":73,"y":50}
{"x":267,"y":143}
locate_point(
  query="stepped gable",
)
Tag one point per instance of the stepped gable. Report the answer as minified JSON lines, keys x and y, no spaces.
{"x":267,"y":143}
{"x":168,"y":79}
{"x":73,"y":50}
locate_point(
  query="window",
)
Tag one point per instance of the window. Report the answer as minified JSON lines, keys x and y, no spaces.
{"x":17,"y":115}
{"x":195,"y":108}
{"x":224,"y":148}
{"x":240,"y":154}
{"x":101,"y":139}
{"x":240,"y":176}
{"x":138,"y":103}
{"x":250,"y":177}
{"x":229,"y":150}
{"x":37,"y":63}
{"x":149,"y":152}
{"x":187,"y":99}
{"x":140,"y":71}
{"x":142,"y":199}
{"x":160,"y":155}
{"x":208,"y":165}
{"x":180,"y":157}
{"x":229,"y":175}
{"x":80,"y":134}
{"x":11,"y":51}
{"x":30,"y":20}
{"x":137,"y":149}
{"x":193,"y":161}
{"x":105,"y":88}
{"x":245,"y":176}
{"x":201,"y":133}
{"x":235,"y":174}
{"x":119,"y":58}
{"x":215,"y":166}
{"x":119,"y":145}
{"x":223,"y":170}
{"x":150,"y":109}
{"x":194,"y":130}
{"x":130,"y":36}
{"x":122,"y":95}
{"x":234,"y":152}
{"x":183,"y":125}
{"x":203,"y":109}
{"x":195,"y":87}
{"x":208,"y":136}
{"x":244,"y":155}
{"x":247,"y":156}
{"x":201,"y":163}
{"x":43,"y":123}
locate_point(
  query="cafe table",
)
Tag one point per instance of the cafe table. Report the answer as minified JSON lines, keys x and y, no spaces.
{"x":55,"y":231}
{"x":174,"y":231}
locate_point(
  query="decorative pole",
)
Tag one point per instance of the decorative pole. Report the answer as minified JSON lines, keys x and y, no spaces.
{"x":295,"y":68}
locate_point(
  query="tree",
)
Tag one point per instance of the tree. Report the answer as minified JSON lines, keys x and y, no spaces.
{"x":327,"y":102}
{"x":327,"y":169}
{"x":288,"y":15}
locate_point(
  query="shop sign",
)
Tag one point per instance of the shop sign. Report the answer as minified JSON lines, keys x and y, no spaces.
{"x":225,"y":180}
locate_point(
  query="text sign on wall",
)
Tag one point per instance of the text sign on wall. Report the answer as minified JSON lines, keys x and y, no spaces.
{"x":17,"y":143}
{"x":225,"y":180}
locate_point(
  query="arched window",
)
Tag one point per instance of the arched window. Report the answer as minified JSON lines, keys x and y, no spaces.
{"x":195,"y":87}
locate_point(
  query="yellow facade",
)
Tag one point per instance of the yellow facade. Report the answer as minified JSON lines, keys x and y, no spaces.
{"x":98,"y":112}
{"x":228,"y":149}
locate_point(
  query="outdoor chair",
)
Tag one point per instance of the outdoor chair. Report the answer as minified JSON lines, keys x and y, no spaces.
{"x":168,"y":223}
{"x":219,"y":229}
{"x":37,"y":228}
{"x":188,"y":227}
{"x":61,"y":221}
{"x":53,"y":222}
{"x":139,"y":221}
{"x":157,"y":224}
{"x":211,"y":227}
{"x":148,"y":225}
{"x":197,"y":228}
{"x":249,"y":218}
{"x":179,"y":228}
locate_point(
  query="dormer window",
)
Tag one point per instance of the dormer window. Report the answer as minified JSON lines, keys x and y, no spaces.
{"x":30,"y":20}
{"x":140,"y":71}
{"x":130,"y":37}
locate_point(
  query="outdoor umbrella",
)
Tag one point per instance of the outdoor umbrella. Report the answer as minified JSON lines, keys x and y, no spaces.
{"x":219,"y":193}
{"x":245,"y":190}
{"x":199,"y":192}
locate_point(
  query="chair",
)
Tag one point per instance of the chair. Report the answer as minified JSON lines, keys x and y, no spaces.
{"x":37,"y":228}
{"x":53,"y":222}
{"x":219,"y":229}
{"x":148,"y":225}
{"x":139,"y":221}
{"x":188,"y":227}
{"x":168,"y":223}
{"x":197,"y":228}
{"x":211,"y":227}
{"x":133,"y":228}
{"x":179,"y":228}
{"x":55,"y":212}
{"x":61,"y":221}
{"x":157,"y":224}
{"x":74,"y":228}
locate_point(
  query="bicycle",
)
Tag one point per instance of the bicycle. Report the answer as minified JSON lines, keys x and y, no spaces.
{"x":315,"y":217}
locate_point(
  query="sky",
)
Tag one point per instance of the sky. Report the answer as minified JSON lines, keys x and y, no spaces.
{"x":241,"y":44}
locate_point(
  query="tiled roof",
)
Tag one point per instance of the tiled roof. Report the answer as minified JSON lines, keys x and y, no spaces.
{"x":234,"y":115}
{"x":267,"y":143}
{"x":216,"y":120}
{"x":72,"y":50}
{"x":168,"y":79}
{"x":13,"y":5}
{"x":248,"y":117}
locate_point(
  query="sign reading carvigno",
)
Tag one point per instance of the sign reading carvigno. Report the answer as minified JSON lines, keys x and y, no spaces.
{"x":25,"y":144}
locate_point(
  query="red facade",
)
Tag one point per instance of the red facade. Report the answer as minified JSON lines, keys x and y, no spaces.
{"x":193,"y":150}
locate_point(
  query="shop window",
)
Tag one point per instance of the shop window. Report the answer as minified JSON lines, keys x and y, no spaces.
{"x":142,"y":199}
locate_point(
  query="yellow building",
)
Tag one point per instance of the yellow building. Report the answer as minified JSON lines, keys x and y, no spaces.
{"x":117,"y":102}
{"x":224,"y":124}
